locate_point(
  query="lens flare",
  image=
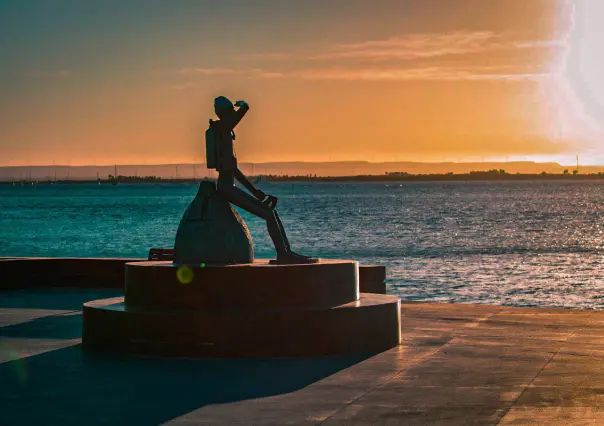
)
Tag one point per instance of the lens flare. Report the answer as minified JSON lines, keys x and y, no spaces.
{"x":17,"y":361}
{"x":184,"y":274}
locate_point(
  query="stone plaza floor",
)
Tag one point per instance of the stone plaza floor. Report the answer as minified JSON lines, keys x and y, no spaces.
{"x":459,"y":365}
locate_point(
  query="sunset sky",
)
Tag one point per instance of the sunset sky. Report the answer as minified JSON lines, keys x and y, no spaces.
{"x":106,"y":82}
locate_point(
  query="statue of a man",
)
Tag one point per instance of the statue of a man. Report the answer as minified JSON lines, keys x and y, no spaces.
{"x":259,"y":203}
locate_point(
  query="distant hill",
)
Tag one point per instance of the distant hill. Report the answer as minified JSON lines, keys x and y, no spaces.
{"x":340,"y":168}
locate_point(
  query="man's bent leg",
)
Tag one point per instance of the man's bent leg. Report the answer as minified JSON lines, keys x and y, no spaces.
{"x":282,"y":229}
{"x":243,"y":200}
{"x":250,"y":204}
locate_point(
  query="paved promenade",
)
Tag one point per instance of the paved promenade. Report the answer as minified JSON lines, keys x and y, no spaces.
{"x":459,"y":365}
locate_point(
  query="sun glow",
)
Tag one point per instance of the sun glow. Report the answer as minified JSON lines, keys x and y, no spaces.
{"x":582,"y":82}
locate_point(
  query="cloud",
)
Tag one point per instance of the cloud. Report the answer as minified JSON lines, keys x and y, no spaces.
{"x":191,"y":73}
{"x":259,"y":73}
{"x":563,"y":44}
{"x":207,"y":71}
{"x":422,"y":56}
{"x":183,"y":86}
{"x":50,"y":73}
{"x":267,"y":56}
{"x":249,"y":72}
{"x":414,"y":46}
{"x":383,"y":74}
{"x":417,"y":74}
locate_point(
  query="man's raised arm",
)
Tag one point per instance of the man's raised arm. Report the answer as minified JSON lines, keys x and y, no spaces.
{"x":233,"y":119}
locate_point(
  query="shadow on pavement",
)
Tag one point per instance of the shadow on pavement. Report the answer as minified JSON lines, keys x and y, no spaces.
{"x":53,"y":298}
{"x":71,"y":386}
{"x":66,"y":325}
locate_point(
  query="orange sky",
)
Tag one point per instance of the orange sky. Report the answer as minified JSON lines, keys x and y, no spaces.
{"x":422,"y":80}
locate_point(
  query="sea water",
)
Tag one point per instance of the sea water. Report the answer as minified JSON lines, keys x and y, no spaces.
{"x":511,"y":243}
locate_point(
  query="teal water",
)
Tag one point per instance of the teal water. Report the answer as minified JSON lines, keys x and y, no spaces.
{"x":513,"y":243}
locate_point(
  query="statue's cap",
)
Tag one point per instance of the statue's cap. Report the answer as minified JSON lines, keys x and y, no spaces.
{"x":222,"y":103}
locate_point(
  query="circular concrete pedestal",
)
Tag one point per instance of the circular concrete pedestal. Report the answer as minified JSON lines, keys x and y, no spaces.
{"x":255,"y":310}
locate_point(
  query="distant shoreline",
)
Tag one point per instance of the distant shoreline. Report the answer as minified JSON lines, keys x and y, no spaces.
{"x":358,"y":171}
{"x":491,"y":176}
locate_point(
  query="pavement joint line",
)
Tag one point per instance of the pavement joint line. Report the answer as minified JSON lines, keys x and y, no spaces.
{"x":485,"y":318}
{"x":62,"y":312}
{"x":399,"y":373}
{"x":395,"y":375}
{"x":511,"y":404}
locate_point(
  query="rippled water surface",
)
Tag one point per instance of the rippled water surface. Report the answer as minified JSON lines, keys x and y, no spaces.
{"x":516,"y":243}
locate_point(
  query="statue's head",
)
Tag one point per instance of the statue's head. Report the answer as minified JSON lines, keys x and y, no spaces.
{"x":223,"y":106}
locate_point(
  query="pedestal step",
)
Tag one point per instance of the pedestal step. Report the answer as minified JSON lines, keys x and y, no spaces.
{"x":370,"y":324}
{"x":257,"y":285}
